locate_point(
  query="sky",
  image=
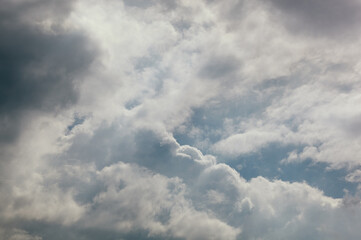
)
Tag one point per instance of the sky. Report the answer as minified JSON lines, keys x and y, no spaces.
{"x":180,"y":119}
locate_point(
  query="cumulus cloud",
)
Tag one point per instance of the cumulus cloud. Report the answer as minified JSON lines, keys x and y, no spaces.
{"x":123,"y":119}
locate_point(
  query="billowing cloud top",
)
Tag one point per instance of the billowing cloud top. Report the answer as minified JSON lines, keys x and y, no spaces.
{"x":180,"y":119}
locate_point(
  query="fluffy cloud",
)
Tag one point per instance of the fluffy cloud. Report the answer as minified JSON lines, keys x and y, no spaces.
{"x":120,"y":117}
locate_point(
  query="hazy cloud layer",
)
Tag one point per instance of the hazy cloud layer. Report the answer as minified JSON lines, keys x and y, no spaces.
{"x":123,"y":119}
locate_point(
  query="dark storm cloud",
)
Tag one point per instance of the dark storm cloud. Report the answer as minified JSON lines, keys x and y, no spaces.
{"x":37,"y":69}
{"x":332,"y":18}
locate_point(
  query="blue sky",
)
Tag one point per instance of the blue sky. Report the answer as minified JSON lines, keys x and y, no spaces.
{"x":179,"y":119}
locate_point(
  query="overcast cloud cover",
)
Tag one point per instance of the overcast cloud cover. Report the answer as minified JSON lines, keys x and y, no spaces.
{"x":180,"y":119}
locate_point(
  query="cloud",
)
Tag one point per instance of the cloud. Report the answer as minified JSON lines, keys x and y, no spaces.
{"x":17,"y":234}
{"x":214,"y":197}
{"x":121,"y":117}
{"x":354,"y":176}
{"x":317,"y":116}
{"x":219,"y":67}
{"x":169,"y":5}
{"x":247,"y":142}
{"x":320,"y":18}
{"x":39,"y":67}
{"x":138,"y":199}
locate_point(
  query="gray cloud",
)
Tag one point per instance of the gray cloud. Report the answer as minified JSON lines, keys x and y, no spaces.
{"x":38,"y":68}
{"x":219,"y":67}
{"x":34,"y":10}
{"x":331,"y":18}
{"x":168,"y":4}
{"x":17,"y":234}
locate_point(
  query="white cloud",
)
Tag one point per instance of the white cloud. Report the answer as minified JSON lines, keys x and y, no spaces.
{"x":136,"y":198}
{"x":122,"y":171}
{"x":321,"y":115}
{"x":247,"y":142}
{"x":354,"y":176}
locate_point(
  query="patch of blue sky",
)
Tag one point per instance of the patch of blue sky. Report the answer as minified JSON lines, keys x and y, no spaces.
{"x":77,"y":121}
{"x":211,"y":118}
{"x":132,"y":103}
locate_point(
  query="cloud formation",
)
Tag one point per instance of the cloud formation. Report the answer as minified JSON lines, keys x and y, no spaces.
{"x":39,"y":61}
{"x":135,"y":119}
